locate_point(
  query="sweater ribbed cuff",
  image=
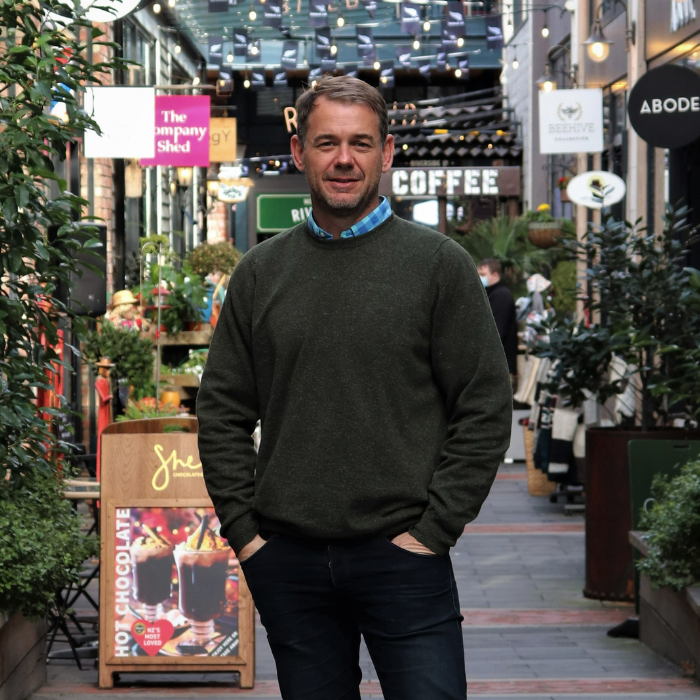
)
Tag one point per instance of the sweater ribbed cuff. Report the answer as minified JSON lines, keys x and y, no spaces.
{"x":241,"y":531}
{"x":429,"y":533}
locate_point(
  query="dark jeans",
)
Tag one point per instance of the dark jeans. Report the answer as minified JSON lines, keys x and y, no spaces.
{"x":316,"y":598}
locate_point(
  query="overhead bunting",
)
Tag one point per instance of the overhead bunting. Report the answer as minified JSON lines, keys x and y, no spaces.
{"x":370,"y":6}
{"x":240,"y":42}
{"x":216,"y":50}
{"x":455,"y":17}
{"x":224,"y":83}
{"x":386,"y":74}
{"x":252,"y":51}
{"x":315,"y":74}
{"x":290,"y":54}
{"x":328,"y":64}
{"x":350,"y":70}
{"x":322,"y":42}
{"x":279,"y":79}
{"x":369,"y":58}
{"x":424,"y":67}
{"x":403,"y":56}
{"x":318,"y":13}
{"x":257,"y":77}
{"x":365,"y":42}
{"x":410,"y":18}
{"x":463,"y":65}
{"x":272,"y":14}
{"x":442,"y":59}
{"x":449,"y":38}
{"x":218,"y":6}
{"x":494,"y":32}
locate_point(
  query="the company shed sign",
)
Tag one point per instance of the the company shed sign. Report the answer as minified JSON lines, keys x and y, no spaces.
{"x":664,"y":106}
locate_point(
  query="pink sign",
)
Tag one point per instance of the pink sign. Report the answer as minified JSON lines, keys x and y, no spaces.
{"x":182,"y":131}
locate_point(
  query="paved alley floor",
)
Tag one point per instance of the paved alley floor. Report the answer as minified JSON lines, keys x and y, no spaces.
{"x":528,"y":630}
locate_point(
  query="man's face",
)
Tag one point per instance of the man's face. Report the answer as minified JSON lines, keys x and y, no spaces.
{"x":343,"y":157}
{"x":491,"y":277}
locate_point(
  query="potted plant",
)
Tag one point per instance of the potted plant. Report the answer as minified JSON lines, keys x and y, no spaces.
{"x":543,"y":229}
{"x":640,"y":316}
{"x":562,"y":184}
{"x":42,"y":547}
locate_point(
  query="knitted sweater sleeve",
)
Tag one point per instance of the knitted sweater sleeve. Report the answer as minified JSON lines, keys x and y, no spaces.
{"x":469,"y":367}
{"x":227,"y":410}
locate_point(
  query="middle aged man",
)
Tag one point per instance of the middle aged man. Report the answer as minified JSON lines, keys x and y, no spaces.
{"x":366,"y":347}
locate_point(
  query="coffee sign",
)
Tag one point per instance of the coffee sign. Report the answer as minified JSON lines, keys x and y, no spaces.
{"x":664,"y":106}
{"x":432,"y":182}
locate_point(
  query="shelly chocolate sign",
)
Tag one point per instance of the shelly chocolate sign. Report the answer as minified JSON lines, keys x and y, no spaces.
{"x":664,"y":106}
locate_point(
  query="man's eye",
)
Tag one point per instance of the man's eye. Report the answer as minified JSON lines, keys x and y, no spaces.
{"x":362,"y":144}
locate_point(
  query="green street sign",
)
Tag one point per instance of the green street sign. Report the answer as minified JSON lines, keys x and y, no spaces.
{"x":278,"y":212}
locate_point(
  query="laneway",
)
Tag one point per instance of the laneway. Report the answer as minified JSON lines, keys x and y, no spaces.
{"x":528,"y":630}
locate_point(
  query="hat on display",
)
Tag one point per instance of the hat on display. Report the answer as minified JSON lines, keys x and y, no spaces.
{"x":104,"y":362}
{"x":123,"y":296}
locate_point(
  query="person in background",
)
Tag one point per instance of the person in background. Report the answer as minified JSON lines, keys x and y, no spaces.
{"x":365,"y":346}
{"x":503,"y":308}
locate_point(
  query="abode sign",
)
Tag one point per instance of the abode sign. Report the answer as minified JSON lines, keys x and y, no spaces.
{"x":432,"y":182}
{"x":664,"y":106}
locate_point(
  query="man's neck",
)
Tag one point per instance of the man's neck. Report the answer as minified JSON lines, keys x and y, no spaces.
{"x":335,"y":224}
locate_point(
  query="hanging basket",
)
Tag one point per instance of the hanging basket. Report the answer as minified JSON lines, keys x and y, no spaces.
{"x":544,"y":235}
{"x":564,"y":196}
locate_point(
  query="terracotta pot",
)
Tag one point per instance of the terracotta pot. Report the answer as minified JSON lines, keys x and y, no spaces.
{"x":609,"y":564}
{"x":172,"y":397}
{"x":564,"y":196}
{"x":544,"y":235}
{"x":193,"y":326}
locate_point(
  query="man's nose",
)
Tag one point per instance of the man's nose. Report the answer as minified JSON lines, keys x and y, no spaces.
{"x":344,"y":155}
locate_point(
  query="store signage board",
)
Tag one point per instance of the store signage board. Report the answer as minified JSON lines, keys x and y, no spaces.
{"x":97,"y":10}
{"x":113,"y":108}
{"x":181,"y":131}
{"x":664,"y":106}
{"x":222,"y":139}
{"x":169,"y":600}
{"x":585,"y":189}
{"x":414,"y":183}
{"x":571,"y":121}
{"x":278,"y":212}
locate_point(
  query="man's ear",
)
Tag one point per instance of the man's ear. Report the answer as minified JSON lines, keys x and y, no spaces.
{"x":297,"y":153}
{"x":388,"y":153}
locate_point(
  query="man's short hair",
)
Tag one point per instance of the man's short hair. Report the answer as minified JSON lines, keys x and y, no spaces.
{"x":342,"y":88}
{"x":493,"y":265}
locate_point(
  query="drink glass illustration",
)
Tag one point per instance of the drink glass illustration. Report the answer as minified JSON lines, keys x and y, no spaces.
{"x":152,"y":559}
{"x":202,"y":577}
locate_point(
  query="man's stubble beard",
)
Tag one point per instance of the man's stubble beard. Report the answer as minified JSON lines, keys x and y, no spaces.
{"x":345,"y":207}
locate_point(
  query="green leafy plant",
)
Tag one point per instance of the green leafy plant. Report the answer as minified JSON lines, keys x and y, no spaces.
{"x":211,"y":258}
{"x":131,"y":355}
{"x":146,"y":408}
{"x":40,"y":63}
{"x":564,"y":290}
{"x":673,"y":530}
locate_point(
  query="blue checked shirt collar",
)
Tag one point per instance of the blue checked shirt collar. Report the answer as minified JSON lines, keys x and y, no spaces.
{"x":371,"y":221}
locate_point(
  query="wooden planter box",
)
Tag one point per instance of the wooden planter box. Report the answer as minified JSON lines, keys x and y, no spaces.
{"x":544,"y":235}
{"x":22,"y":656}
{"x":669,"y":620}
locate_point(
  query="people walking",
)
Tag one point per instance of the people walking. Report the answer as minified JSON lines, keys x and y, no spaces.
{"x":365,"y":346}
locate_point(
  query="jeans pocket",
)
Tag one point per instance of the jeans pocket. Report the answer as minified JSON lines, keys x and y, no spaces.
{"x":410,"y":553}
{"x":256,"y":553}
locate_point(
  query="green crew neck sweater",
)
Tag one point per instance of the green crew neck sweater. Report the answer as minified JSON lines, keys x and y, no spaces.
{"x":377,"y":372}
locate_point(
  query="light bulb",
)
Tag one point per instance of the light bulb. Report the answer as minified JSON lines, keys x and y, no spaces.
{"x":548,"y":86}
{"x":460,"y":41}
{"x":598,"y":51}
{"x":246,"y":83}
{"x":545,"y":31}
{"x":171,"y":3}
{"x":229,"y":58}
{"x":516,"y":63}
{"x":426,"y":26}
{"x":341,"y":21}
{"x":405,"y":147}
{"x":376,"y":65}
{"x":334,"y":49}
{"x":416,"y":44}
{"x":458,"y":73}
{"x":178,"y":48}
{"x":196,"y":80}
{"x":156,"y":8}
{"x":384,"y":78}
{"x":313,"y":83}
{"x":254,"y":50}
{"x":222,"y":82}
{"x":252,"y":15}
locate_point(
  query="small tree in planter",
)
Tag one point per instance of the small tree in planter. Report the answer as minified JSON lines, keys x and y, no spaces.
{"x":43,"y":63}
{"x":214,"y":258}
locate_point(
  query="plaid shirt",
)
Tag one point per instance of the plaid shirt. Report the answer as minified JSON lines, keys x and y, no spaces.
{"x":371,"y":221}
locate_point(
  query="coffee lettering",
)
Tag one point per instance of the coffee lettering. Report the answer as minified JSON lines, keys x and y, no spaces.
{"x":399,"y":182}
{"x":435,"y":178}
{"x":453,"y":178}
{"x":418,"y":181}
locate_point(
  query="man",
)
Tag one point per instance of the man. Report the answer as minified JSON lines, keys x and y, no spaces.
{"x":365,"y":346}
{"x":503,"y":308}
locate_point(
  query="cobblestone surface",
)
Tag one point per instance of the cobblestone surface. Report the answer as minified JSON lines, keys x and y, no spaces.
{"x":528,"y":630}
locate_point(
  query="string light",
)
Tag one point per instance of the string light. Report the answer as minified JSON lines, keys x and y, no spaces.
{"x":458,"y":73}
{"x":196,"y":80}
{"x":545,"y":31}
{"x":254,"y":50}
{"x":460,"y":42}
{"x":516,"y":63}
{"x":341,"y":20}
{"x":377,"y":65}
{"x":426,"y":26}
{"x":156,"y":8}
{"x":171,"y":3}
{"x":246,"y":83}
{"x":416,"y":44}
{"x":334,"y":49}
{"x":178,"y":48}
{"x":252,"y":15}
{"x":405,"y":147}
{"x":229,"y":58}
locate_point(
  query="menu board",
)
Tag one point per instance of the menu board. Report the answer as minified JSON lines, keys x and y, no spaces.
{"x":172,"y":595}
